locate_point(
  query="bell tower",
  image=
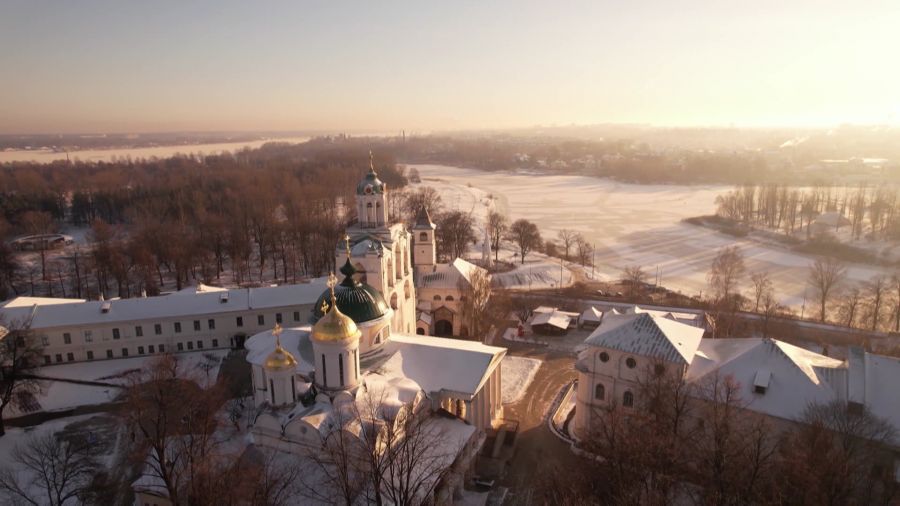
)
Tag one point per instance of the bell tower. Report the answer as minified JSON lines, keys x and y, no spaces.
{"x":371,"y":199}
{"x":425,"y":252}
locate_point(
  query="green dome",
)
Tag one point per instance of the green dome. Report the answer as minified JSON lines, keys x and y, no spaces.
{"x":359,"y":301}
{"x":370,"y":184}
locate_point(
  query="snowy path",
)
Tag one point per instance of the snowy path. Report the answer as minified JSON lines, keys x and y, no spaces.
{"x":516,"y":374}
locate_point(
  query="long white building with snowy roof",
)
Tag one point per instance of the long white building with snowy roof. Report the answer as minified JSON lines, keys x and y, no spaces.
{"x":777,"y":379}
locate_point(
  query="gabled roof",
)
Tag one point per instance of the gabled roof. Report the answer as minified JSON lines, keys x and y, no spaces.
{"x":447,"y":275}
{"x":791,"y":377}
{"x":555,"y":319}
{"x":648,"y":335}
{"x":592,"y":314}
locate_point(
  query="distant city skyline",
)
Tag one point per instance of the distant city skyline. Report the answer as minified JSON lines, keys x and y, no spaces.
{"x":95,"y":66}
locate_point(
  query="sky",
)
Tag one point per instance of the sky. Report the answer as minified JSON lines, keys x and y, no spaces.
{"x":384,"y":66}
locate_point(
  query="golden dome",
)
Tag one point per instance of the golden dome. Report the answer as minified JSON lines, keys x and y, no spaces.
{"x":335,"y":325}
{"x":280,"y":359}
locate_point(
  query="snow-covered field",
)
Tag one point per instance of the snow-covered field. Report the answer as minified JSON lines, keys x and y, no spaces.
{"x":629,"y":224}
{"x":516,"y":374}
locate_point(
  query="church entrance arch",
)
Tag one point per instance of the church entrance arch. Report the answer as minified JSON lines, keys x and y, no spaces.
{"x":443,"y":328}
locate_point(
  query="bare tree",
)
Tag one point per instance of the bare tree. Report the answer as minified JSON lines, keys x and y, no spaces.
{"x":173,"y":423}
{"x":726,"y":272}
{"x":568,"y":239}
{"x":19,"y":358}
{"x":497,"y":227}
{"x":475,"y":294}
{"x":761,"y":285}
{"x":455,"y":231}
{"x":393,"y":458}
{"x":876,"y":291}
{"x":771,"y":308}
{"x":585,"y":251}
{"x":426,"y":197}
{"x":832,"y":458}
{"x":60,"y":470}
{"x":39,"y":223}
{"x":848,"y":310}
{"x":825,"y":275}
{"x":635,"y":276}
{"x":526,"y":236}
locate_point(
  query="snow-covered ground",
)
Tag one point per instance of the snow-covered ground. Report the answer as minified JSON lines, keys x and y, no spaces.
{"x":629,"y":224}
{"x":516,"y":374}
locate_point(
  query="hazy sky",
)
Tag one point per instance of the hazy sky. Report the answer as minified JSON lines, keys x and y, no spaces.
{"x":85,"y":66}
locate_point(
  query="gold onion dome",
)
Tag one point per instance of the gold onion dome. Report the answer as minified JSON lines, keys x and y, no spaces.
{"x":280,"y":359}
{"x":335,"y":325}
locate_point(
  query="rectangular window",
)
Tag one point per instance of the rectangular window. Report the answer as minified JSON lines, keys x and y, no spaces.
{"x":277,"y":317}
{"x":67,"y":338}
{"x":341,"y":368}
{"x":140,"y":350}
{"x":190,"y":345}
{"x":177,"y":327}
{"x":116,"y":334}
{"x":109,"y":354}
{"x":196,"y":325}
{"x":260,"y":320}
{"x":162,"y":348}
{"x":45,"y":340}
{"x":324,"y":373}
{"x":88,"y":336}
{"x":46,"y":359}
{"x":157,"y":329}
{"x":215,"y":343}
{"x":180,"y":346}
{"x":211,"y":324}
{"x":124,"y":352}
{"x":59,"y":357}
{"x":199,"y":344}
{"x":90,"y":355}
{"x":70,"y":357}
{"x":152,"y":349}
{"x":139,"y":331}
{"x":296,"y":316}
{"x":240,"y":321}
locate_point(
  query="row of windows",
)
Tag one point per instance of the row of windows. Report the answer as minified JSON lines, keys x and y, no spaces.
{"x":158,"y":330}
{"x":627,"y":397}
{"x":630,"y":362}
{"x":141,"y":350}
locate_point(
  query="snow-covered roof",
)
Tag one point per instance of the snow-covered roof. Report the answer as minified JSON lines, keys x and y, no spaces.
{"x":543,"y":309}
{"x":165,"y":306}
{"x":295,"y":340}
{"x":882,"y":378}
{"x":437,"y":363}
{"x":200,"y":288}
{"x":447,"y":276}
{"x":689,"y":318}
{"x":648,"y":335}
{"x":555,"y":319}
{"x":790,"y":377}
{"x":592,"y":314}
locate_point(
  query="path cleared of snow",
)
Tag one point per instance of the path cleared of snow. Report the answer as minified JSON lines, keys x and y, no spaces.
{"x":516,"y":374}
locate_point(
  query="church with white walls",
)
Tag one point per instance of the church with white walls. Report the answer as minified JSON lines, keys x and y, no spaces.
{"x":366,"y":340}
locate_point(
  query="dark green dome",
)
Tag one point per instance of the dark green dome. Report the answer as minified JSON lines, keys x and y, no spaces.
{"x":359,"y":301}
{"x":370,"y":184}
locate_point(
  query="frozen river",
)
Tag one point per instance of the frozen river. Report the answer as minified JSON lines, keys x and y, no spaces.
{"x":96,"y":155}
{"x":629,"y":224}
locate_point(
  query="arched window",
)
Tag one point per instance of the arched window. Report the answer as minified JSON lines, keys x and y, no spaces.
{"x":599,"y":392}
{"x":369,"y":205}
{"x":423,"y":237}
{"x":394,"y":301}
{"x":437,"y":297}
{"x":628,"y":399}
{"x":420,"y":331}
{"x":449,"y":298}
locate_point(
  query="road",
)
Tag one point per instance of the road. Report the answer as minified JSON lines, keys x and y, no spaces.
{"x":539,"y":454}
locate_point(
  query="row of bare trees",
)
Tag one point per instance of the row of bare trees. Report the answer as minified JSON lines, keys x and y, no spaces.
{"x":699,"y":444}
{"x":873,"y":211}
